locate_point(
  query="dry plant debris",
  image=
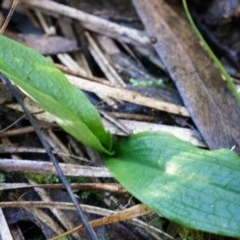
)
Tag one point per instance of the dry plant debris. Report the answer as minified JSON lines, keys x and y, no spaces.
{"x":100,"y":46}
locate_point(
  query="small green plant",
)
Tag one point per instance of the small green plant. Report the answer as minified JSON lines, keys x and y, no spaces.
{"x":2,"y":178}
{"x":43,"y":178}
{"x":196,"y":188}
{"x":149,"y":83}
{"x":187,"y":234}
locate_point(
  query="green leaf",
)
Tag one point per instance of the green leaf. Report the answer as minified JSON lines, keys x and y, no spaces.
{"x":194,"y":187}
{"x":47,"y":86}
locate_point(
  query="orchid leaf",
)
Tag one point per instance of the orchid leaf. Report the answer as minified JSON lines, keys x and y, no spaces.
{"x":47,"y":86}
{"x":194,"y":187}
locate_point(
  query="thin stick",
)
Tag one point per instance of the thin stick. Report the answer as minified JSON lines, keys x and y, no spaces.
{"x":135,"y":211}
{"x":127,"y":95}
{"x":54,"y":161}
{"x":43,"y":167}
{"x":109,"y":187}
{"x":13,"y":7}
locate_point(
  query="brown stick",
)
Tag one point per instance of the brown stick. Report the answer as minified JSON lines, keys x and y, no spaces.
{"x":29,"y":166}
{"x":91,"y":22}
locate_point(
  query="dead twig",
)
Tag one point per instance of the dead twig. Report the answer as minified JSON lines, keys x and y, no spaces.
{"x":90,"y":22}
{"x":29,"y":166}
{"x":109,"y":187}
{"x":13,"y":7}
{"x":127,"y":95}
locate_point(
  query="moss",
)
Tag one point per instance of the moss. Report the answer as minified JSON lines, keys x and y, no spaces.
{"x":188,"y":234}
{"x":2,"y":178}
{"x":43,"y":178}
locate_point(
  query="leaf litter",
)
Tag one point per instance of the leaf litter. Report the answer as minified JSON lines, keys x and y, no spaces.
{"x":90,"y":64}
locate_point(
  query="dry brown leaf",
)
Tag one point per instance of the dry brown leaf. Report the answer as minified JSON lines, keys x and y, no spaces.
{"x":206,"y":96}
{"x":44,"y":44}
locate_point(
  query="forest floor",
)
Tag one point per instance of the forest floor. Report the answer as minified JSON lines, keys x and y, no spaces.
{"x":108,"y":51}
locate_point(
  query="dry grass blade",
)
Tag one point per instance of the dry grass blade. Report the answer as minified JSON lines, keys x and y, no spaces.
{"x":111,"y":216}
{"x":109,"y":187}
{"x":5,"y":232}
{"x":140,"y":126}
{"x":126,"y":214}
{"x":17,"y":149}
{"x":59,"y":214}
{"x":103,"y":62}
{"x":127,"y":95}
{"x":136,"y":211}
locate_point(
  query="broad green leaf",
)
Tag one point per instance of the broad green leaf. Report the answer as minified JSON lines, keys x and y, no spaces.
{"x":194,"y":187}
{"x":47,"y":86}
